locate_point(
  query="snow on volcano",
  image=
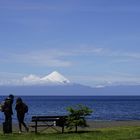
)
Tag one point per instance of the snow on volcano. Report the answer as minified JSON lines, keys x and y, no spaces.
{"x":53,"y":78}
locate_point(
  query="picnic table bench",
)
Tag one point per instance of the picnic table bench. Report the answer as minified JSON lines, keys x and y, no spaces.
{"x":48,"y":121}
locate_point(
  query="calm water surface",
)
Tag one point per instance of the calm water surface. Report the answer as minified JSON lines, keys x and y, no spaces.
{"x":104,"y":107}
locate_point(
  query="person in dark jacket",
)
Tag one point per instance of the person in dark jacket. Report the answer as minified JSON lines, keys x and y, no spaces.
{"x":20,"y":108}
{"x":8,"y":112}
{"x":11,"y":97}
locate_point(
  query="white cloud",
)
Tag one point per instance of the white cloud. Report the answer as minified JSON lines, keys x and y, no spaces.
{"x":62,"y":57}
{"x":69,"y":56}
{"x":125,"y":54}
{"x":50,"y":57}
{"x":31,"y":78}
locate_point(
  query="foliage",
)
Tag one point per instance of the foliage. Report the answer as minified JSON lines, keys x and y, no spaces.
{"x":77,"y":116}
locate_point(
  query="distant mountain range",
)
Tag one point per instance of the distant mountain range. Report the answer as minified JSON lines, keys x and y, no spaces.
{"x":57,"y":84}
{"x":71,"y":90}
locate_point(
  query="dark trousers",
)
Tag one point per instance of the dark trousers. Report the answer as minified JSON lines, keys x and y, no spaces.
{"x":8,"y":123}
{"x":21,"y":121}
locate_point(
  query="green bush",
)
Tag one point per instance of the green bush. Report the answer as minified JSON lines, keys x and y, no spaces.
{"x":77,"y":116}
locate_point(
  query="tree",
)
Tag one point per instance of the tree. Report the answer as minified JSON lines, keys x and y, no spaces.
{"x":77,"y":116}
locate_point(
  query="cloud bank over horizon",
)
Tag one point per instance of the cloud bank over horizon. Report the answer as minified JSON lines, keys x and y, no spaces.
{"x":53,"y":78}
{"x":97,"y":81}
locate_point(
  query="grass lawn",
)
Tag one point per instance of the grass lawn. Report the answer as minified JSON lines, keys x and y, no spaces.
{"x":122,"y":133}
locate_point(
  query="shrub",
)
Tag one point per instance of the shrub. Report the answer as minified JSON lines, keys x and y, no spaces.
{"x":77,"y":116}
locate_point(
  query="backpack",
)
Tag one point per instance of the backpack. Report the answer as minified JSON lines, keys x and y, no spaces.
{"x":2,"y":106}
{"x":25,"y":107}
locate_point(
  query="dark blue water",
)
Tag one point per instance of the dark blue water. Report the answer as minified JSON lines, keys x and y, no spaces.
{"x":104,"y":107}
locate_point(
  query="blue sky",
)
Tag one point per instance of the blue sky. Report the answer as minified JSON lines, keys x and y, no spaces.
{"x":92,"y":42}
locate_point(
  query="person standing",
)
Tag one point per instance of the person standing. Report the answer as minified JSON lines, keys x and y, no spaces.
{"x":8,"y":112}
{"x":11,"y":98}
{"x":21,"y":109}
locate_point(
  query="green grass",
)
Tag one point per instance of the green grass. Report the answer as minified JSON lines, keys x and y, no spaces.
{"x":123,"y":133}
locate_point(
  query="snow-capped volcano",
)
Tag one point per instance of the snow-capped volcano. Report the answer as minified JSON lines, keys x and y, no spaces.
{"x":55,"y":77}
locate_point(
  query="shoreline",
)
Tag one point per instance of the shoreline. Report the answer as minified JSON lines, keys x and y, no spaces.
{"x":111,"y":124}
